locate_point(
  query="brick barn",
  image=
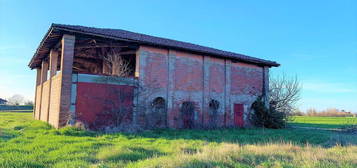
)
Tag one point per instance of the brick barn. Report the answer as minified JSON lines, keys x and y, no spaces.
{"x":109,"y":78}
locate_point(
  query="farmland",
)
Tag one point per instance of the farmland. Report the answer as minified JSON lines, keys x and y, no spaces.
{"x":25,"y":142}
{"x":323,"y":122}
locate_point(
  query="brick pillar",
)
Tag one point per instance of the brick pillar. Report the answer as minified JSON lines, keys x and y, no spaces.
{"x":53,"y":62}
{"x":53,"y":69}
{"x":44,"y":71}
{"x":36,"y":110}
{"x":43,"y":78}
{"x":171,"y":90}
{"x":206,"y":91}
{"x":266,"y":86}
{"x":227,"y":101}
{"x":136,"y":104}
{"x":67,"y":54}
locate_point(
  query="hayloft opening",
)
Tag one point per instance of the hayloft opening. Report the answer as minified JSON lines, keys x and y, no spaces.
{"x":104,"y":57}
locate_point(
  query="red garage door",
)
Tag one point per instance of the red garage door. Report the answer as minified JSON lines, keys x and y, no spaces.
{"x":238,"y":115}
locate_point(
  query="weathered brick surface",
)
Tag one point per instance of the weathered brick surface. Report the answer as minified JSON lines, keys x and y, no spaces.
{"x":188,"y":72}
{"x":68,"y":42}
{"x":179,"y":78}
{"x":38,"y":101}
{"x":44,"y":100}
{"x":217,"y":76}
{"x":55,"y":100}
{"x":200,"y":79}
{"x":156,"y":68}
{"x":247,"y":79}
{"x":216,"y":92}
{"x":101,"y":105}
{"x":152,"y":66}
{"x":246,"y":85}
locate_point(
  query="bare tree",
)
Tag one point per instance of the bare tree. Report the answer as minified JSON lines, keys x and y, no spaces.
{"x":284,"y":93}
{"x":29,"y":103}
{"x":118,"y":66}
{"x":16,"y":100}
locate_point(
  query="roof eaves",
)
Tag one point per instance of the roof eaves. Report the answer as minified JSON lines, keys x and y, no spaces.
{"x":215,"y":52}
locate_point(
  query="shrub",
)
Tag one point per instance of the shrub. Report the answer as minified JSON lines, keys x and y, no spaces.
{"x":73,"y":131}
{"x":267,"y":117}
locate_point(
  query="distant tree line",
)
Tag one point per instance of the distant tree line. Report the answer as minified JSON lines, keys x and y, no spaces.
{"x":16,"y":100}
{"x":330,"y":112}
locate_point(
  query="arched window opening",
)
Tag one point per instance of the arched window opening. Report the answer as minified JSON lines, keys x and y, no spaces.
{"x":158,"y":102}
{"x":158,"y":116}
{"x":213,"y":113}
{"x":214,"y":104}
{"x":187,"y":112}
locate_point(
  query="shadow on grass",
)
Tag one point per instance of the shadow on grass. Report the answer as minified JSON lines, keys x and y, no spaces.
{"x":331,"y":126}
{"x":131,"y":154}
{"x":205,"y":164}
{"x":246,"y":160}
{"x":243,"y":136}
{"x":7,"y":134}
{"x":229,"y":135}
{"x":72,"y":131}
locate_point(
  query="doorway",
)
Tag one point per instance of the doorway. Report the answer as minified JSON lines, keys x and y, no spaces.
{"x":238,"y":115}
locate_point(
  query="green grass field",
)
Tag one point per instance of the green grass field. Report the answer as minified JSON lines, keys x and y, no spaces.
{"x":323,"y":122}
{"x":25,"y":142}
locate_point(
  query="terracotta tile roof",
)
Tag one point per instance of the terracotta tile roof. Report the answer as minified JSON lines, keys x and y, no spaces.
{"x":154,"y":41}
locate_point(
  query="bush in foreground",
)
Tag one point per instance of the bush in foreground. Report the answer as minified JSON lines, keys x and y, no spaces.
{"x":267,"y":117}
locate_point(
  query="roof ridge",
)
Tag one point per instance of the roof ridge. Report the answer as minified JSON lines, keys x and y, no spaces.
{"x":160,"y":41}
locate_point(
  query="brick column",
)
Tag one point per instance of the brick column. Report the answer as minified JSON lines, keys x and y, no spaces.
{"x":227,"y":101}
{"x":53,"y":62}
{"x":266,"y":85}
{"x":67,"y":54}
{"x":36,"y":110}
{"x":170,"y":90}
{"x":43,"y":78}
{"x":53,"y":69}
{"x":44,"y":71}
{"x":136,"y":104}
{"x":206,"y":91}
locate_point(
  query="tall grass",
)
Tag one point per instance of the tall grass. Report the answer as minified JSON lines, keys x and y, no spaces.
{"x":28,"y":143}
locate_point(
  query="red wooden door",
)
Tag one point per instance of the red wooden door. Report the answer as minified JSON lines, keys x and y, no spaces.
{"x":238,"y":115}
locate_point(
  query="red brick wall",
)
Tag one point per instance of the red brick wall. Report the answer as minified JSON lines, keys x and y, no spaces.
{"x":217,"y":76}
{"x":188,"y":72}
{"x":97,"y":104}
{"x":38,"y":101}
{"x":55,"y":100}
{"x":246,"y":79}
{"x":156,"y":70}
{"x":185,"y":76}
{"x":44,"y":100}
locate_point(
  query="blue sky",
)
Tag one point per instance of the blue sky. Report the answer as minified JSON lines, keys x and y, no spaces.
{"x":315,"y":40}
